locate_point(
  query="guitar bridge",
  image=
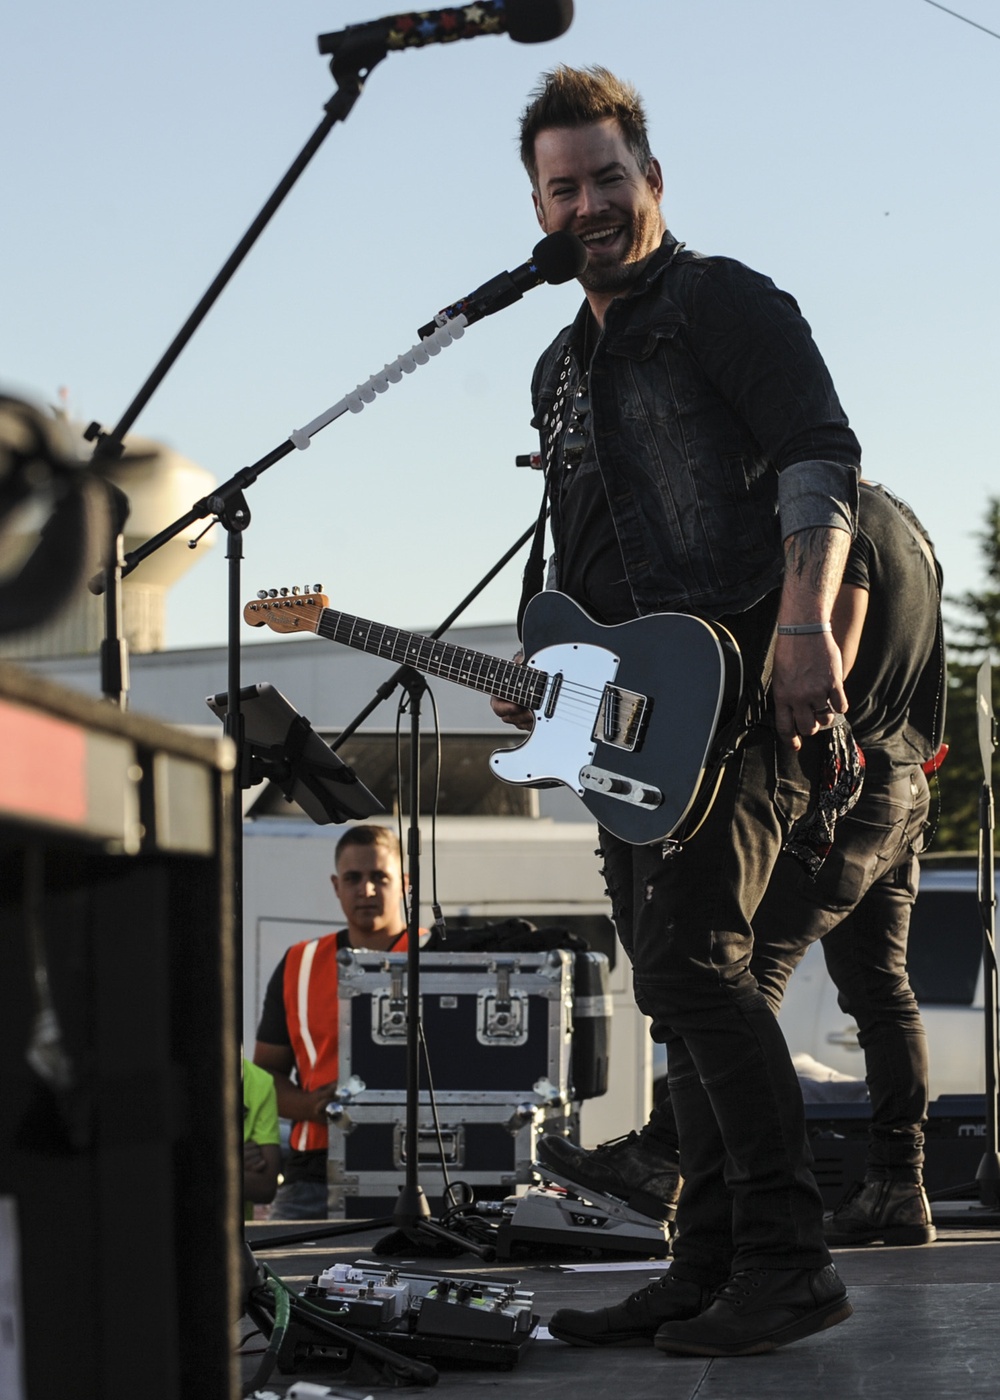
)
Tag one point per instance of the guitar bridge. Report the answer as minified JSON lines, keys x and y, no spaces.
{"x":621,"y":718}
{"x":616,"y":785}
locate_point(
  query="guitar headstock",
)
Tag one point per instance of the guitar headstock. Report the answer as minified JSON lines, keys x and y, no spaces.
{"x":287,"y":609}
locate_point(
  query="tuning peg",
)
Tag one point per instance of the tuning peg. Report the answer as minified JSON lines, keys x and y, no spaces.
{"x":284,"y":593}
{"x":296,"y":590}
{"x":272,"y":593}
{"x":261,"y":592}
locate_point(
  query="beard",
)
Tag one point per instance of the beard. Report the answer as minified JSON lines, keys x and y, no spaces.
{"x":644,"y":233}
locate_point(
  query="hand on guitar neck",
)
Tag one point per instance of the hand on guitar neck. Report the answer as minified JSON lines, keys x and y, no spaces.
{"x":510,"y":713}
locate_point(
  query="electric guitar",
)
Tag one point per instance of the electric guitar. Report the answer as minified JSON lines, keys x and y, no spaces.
{"x":625,"y":716}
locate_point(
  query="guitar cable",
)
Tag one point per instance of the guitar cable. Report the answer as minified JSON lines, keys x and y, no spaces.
{"x":439,"y":924}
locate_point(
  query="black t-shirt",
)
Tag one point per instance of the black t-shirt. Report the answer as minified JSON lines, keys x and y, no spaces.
{"x":591,"y":568}
{"x":896,"y":687}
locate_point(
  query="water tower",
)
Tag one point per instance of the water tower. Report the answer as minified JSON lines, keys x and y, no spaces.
{"x":161,"y":485}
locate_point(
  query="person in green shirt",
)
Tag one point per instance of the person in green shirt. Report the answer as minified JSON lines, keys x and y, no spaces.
{"x":261,"y":1139}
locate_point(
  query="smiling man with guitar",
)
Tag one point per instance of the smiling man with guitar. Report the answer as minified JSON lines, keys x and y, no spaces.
{"x":698,"y":462}
{"x":684,"y":681}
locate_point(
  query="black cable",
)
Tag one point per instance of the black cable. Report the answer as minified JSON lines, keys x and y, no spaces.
{"x":400,"y":710}
{"x":463,"y":1219}
{"x":434,"y":1109}
{"x":438,"y":925}
{"x":964,"y":18}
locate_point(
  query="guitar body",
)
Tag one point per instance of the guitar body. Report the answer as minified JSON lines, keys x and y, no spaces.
{"x":632,"y":715}
{"x":625,"y":716}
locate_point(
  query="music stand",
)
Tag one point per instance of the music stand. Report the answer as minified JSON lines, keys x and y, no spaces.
{"x":282,"y":746}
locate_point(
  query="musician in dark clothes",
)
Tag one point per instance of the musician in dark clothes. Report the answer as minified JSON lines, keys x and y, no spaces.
{"x":698,"y":460}
{"x":857,"y":898}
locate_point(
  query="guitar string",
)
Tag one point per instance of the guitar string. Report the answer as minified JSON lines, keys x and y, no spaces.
{"x":448,"y":668}
{"x":579,"y":697}
{"x":471,"y":671}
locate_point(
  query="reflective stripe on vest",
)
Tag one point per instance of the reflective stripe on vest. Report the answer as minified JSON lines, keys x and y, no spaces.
{"x":311,"y":1011}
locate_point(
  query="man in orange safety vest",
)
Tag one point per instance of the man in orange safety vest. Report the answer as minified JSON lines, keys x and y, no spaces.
{"x":298,"y":1031}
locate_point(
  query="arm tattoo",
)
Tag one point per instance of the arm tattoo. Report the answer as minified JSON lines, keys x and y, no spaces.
{"x":806,"y":555}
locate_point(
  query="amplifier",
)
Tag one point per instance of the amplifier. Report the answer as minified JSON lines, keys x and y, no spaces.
{"x":955,"y":1135}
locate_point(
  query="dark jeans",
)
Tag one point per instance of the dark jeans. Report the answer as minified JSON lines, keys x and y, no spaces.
{"x":749,"y":1198}
{"x":860,"y":904}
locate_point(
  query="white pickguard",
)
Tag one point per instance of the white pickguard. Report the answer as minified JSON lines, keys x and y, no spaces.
{"x":560,"y":744}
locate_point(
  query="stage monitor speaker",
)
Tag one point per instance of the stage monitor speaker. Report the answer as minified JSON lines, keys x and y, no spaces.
{"x":120,"y":1140}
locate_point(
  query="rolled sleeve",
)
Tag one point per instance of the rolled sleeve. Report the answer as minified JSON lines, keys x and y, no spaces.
{"x":818,"y":494}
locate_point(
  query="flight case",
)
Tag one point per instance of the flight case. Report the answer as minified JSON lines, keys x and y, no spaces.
{"x":499,"y":1035}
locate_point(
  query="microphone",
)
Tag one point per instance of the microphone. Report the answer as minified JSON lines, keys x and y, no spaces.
{"x":559,"y":257}
{"x":526,"y":21}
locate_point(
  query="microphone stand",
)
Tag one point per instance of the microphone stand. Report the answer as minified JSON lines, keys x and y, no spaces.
{"x":349,"y":73}
{"x":411,"y":1214}
{"x":988,"y":1173}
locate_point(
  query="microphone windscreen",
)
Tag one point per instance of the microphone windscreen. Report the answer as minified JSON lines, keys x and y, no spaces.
{"x":559,"y":257}
{"x":535,"y":21}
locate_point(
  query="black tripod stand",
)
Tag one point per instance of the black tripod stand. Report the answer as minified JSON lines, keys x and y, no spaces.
{"x":412,"y":1213}
{"x":988,"y":1174}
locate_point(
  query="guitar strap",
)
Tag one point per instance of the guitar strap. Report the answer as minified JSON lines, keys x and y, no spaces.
{"x":534,"y":570}
{"x":533,"y":578}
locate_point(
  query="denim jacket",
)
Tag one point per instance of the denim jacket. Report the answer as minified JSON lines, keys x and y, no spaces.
{"x":717,"y":429}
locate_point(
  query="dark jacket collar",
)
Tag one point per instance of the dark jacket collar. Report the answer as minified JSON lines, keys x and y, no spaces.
{"x":654,"y":269}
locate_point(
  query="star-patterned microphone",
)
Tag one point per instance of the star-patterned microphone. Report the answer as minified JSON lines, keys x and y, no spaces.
{"x":526,"y":21}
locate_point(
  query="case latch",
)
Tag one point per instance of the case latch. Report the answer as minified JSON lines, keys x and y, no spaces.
{"x":502,"y":1015}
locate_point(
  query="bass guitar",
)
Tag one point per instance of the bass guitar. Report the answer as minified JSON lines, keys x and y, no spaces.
{"x":625,"y":716}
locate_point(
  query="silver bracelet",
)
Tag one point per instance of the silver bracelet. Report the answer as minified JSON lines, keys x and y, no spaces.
{"x":803,"y":629}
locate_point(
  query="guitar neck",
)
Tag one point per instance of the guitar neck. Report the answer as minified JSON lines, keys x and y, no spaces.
{"x":522,"y":685}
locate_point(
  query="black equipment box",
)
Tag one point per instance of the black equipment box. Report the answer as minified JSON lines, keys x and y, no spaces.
{"x":955,"y":1136}
{"x":497,"y":1026}
{"x":488,"y":1146}
{"x":514,"y":1039}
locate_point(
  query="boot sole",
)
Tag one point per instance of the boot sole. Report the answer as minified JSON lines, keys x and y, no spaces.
{"x":837,"y":1311}
{"x":631,"y":1339}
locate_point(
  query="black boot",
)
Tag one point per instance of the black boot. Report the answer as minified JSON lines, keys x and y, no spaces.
{"x":759,"y":1310}
{"x":626,"y":1168}
{"x":633,"y":1322}
{"x":890,"y":1212}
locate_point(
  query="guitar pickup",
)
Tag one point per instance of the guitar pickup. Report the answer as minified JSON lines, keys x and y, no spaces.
{"x":616,"y":785}
{"x":621,"y":717}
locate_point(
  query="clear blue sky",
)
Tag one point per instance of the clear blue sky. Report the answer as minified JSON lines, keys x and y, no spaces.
{"x":848,"y":148}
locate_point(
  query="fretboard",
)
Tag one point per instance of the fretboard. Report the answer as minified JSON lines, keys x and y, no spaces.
{"x":522,"y":685}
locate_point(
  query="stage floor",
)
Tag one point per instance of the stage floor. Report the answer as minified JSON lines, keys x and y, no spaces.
{"x":926,"y":1326}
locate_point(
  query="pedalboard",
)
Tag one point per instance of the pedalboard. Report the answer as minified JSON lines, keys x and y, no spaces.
{"x":441,"y":1317}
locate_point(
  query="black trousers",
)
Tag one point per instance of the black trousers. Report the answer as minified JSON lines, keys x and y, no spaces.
{"x":749,"y":1197}
{"x":860,"y":905}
